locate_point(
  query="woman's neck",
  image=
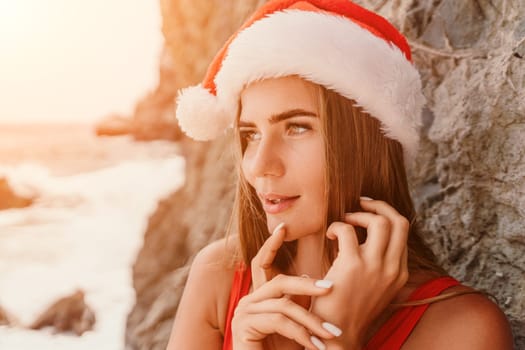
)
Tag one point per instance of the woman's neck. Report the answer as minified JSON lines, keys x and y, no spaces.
{"x":309,"y":257}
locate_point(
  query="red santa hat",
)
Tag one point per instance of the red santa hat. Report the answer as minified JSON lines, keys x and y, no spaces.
{"x":333,"y":43}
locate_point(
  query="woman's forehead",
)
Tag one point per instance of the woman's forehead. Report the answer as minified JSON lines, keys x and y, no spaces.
{"x":276,"y":95}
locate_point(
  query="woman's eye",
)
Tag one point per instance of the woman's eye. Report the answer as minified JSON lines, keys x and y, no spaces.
{"x":249,"y":135}
{"x":298,"y":128}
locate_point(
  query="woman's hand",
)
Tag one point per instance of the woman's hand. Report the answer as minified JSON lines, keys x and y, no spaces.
{"x":268,"y":316}
{"x":366,"y":277}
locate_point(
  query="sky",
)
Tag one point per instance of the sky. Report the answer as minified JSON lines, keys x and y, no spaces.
{"x":76,"y":60}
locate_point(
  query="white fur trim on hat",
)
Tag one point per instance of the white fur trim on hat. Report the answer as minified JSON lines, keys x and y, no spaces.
{"x":323,"y":48}
{"x":199,"y":114}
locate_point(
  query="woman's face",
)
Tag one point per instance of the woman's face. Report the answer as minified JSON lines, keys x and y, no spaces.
{"x":284,"y":158}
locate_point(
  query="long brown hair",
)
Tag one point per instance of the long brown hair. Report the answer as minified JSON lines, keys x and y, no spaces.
{"x":360,"y":161}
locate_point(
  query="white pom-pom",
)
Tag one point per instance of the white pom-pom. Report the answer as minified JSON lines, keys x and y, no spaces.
{"x":199,"y":114}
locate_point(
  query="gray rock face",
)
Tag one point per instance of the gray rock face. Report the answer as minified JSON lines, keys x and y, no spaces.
{"x":468,"y":183}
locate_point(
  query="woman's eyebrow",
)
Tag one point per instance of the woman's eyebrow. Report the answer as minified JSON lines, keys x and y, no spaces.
{"x":282,"y":116}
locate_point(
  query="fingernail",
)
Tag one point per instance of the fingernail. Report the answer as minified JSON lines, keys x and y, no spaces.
{"x":332,"y":329}
{"x":317,"y":342}
{"x":366,"y":198}
{"x":280,"y":226}
{"x":324,"y":284}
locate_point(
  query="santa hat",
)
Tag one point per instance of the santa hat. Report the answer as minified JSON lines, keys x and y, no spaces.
{"x":333,"y":43}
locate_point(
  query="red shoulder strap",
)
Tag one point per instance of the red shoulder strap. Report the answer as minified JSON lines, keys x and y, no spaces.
{"x":396,"y":330}
{"x":242,"y":280}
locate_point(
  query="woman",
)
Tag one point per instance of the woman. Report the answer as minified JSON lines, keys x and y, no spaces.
{"x":325,"y":107}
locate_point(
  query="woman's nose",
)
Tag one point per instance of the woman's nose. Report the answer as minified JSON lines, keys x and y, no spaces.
{"x":267,"y":159}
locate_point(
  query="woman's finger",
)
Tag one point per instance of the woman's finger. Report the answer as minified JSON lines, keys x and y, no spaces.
{"x":378,"y":207}
{"x":262,"y":263}
{"x":378,"y":231}
{"x":282,"y":285}
{"x":271,"y":246}
{"x":346,"y":238}
{"x":297,"y":314}
{"x":268,"y":324}
{"x":400,"y":225}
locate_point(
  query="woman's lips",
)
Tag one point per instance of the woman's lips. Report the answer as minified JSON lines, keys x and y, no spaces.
{"x":275,"y":207}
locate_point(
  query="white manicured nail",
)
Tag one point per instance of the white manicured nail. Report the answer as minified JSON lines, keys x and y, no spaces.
{"x":317,"y":342}
{"x":366,"y":198}
{"x":324,"y":284}
{"x":280,"y":226}
{"x":332,"y":329}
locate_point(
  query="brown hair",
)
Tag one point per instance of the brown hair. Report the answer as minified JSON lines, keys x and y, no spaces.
{"x":360,"y":161}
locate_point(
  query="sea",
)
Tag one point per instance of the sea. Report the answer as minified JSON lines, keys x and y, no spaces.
{"x":93,"y":197}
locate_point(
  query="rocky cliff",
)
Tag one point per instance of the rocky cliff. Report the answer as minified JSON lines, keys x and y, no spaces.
{"x":471,"y":178}
{"x":469,"y":182}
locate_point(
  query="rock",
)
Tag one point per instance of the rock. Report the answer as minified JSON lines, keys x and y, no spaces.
{"x":154,"y":115}
{"x":9,"y":199}
{"x":114,"y":125}
{"x":7,"y":319}
{"x":468,"y":184}
{"x":4,"y":318}
{"x":67,"y":314}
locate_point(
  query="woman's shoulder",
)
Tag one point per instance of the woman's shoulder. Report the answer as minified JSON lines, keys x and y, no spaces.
{"x":205,"y":297}
{"x":215,"y":265}
{"x":220,"y":254}
{"x":465,"y":321}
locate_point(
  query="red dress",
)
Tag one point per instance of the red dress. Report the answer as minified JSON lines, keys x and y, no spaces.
{"x":390,"y":336}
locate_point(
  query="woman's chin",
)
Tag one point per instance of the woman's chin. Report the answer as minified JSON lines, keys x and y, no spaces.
{"x":292,"y":233}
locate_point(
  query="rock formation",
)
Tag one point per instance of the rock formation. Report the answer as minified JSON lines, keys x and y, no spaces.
{"x":469,"y":181}
{"x":154,"y":115}
{"x":9,"y":199}
{"x":471,"y":172}
{"x":67,"y":314}
{"x":4,"y":318}
{"x":114,"y":125}
{"x":7,"y":319}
